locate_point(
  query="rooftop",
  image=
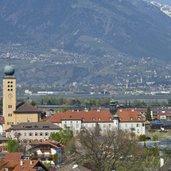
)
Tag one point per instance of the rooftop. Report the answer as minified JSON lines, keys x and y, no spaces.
{"x":13,"y":156}
{"x":73,"y":167}
{"x":54,"y":144}
{"x":130,"y":115}
{"x":84,"y":116}
{"x":20,"y":165}
{"x":26,"y":108}
{"x":34,"y":126}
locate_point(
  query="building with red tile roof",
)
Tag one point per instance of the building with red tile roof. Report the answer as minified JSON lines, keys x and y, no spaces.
{"x":132,"y":120}
{"x":161,"y":113}
{"x":46,"y":150}
{"x":20,"y":165}
{"x":87,"y":118}
{"x":13,"y":156}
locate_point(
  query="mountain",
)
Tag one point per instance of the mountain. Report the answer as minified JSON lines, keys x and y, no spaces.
{"x":83,"y":41}
{"x":164,"y":2}
{"x":96,"y":27}
{"x":164,"y":6}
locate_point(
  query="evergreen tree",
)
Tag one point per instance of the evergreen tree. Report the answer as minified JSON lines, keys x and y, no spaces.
{"x":12,"y":146}
{"x":148,"y":114}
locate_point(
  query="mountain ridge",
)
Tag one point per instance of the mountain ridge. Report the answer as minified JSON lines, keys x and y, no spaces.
{"x":99,"y":42}
{"x":121,"y":25}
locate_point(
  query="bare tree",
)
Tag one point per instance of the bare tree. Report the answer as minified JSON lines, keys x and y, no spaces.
{"x":105,"y":151}
{"x":111,"y":150}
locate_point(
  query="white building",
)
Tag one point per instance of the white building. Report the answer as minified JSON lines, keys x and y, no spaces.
{"x":30,"y":131}
{"x":76,"y":120}
{"x":132,"y":120}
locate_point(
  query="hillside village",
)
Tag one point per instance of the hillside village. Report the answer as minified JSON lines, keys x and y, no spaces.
{"x":38,"y":137}
{"x":119,"y":77}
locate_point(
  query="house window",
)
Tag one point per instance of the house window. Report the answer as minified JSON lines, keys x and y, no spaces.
{"x":41,"y":134}
{"x":10,"y":123}
{"x":36,"y":134}
{"x":77,"y":125}
{"x":9,"y":114}
{"x":30,"y":134}
{"x":46,"y":133}
{"x":9,"y":106}
{"x":137,"y":125}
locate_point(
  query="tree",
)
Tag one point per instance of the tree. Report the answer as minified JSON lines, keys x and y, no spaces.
{"x":105,"y":152}
{"x":142,"y":138}
{"x":148,"y":114}
{"x":55,"y":158}
{"x":169,"y":102}
{"x":12,"y":146}
{"x":112,"y":150}
{"x":55,"y":136}
{"x":64,"y":136}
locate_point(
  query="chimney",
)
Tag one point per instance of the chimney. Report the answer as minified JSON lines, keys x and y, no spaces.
{"x":161,"y":162}
{"x":21,"y":162}
{"x":86,"y":110}
{"x":161,"y":159}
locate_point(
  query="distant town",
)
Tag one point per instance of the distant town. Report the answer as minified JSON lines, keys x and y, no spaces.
{"x":129,"y":78}
{"x":85,"y":85}
{"x":54,"y":133}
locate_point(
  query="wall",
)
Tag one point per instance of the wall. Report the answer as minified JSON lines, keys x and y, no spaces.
{"x":31,"y":117}
{"x":137,"y":127}
{"x":31,"y":134}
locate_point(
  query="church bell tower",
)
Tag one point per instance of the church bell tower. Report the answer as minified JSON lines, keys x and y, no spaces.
{"x":9,"y":96}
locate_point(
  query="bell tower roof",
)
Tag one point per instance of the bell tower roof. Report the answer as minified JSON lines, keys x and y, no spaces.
{"x":9,"y":70}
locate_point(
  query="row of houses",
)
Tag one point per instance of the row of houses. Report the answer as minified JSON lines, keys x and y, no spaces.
{"x":128,"y":119}
{"x":15,"y":162}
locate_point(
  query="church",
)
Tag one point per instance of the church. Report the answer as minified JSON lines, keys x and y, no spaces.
{"x":14,"y":113}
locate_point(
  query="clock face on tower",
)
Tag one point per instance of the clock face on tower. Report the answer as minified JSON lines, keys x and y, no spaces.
{"x":10,"y":95}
